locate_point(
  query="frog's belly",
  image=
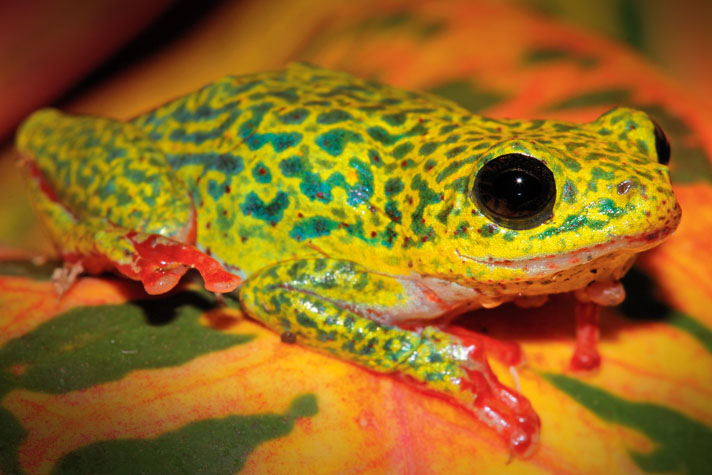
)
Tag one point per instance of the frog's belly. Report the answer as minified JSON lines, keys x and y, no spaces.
{"x":433,"y":297}
{"x":608,"y":267}
{"x":453,"y":298}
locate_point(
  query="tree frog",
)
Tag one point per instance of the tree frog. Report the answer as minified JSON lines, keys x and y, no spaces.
{"x":357,"y":219}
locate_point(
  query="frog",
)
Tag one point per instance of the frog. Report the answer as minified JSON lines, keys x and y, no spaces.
{"x":359,"y":219}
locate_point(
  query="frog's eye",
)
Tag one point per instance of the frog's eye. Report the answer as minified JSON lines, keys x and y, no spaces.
{"x":662,"y":146}
{"x":515,"y":191}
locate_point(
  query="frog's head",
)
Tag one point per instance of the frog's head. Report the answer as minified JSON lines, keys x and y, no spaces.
{"x":556,"y":205}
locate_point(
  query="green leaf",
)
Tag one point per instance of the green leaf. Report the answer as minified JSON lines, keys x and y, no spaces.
{"x":684,"y":445}
{"x":466,"y":95}
{"x":26,"y":268}
{"x":12,"y":434}
{"x":91,"y":345}
{"x":210,"y":446}
{"x":545,"y":55}
{"x":604,"y":97}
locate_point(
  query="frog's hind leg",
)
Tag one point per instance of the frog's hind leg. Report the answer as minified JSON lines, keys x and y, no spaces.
{"x":324,"y":304}
{"x":111,"y":201}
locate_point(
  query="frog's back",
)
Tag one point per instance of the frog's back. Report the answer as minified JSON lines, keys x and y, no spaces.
{"x":275,"y":159}
{"x":293,"y":109}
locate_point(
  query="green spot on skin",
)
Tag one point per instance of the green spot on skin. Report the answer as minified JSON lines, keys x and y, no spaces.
{"x":261,"y":173}
{"x":453,"y":167}
{"x":290,"y":95}
{"x":569,"y":192}
{"x":294,"y":117}
{"x":207,"y":446}
{"x":270,"y":212}
{"x":362,"y":191}
{"x":488,"y":230}
{"x":312,"y":228}
{"x":510,"y":236}
{"x":393,"y":186}
{"x":446,"y":129}
{"x":683,"y":445}
{"x":459,"y":185}
{"x":428,"y":148}
{"x":642,"y":147}
{"x":454,"y":152}
{"x":599,"y":174}
{"x":393,"y":212}
{"x":401,"y":150}
{"x":465,"y":94}
{"x":443,"y":215}
{"x":571,"y":223}
{"x":395,"y":119}
{"x":333,"y":117}
{"x":426,"y":197}
{"x":375,"y":158}
{"x":292,"y":166}
{"x":382,"y":135}
{"x":334,"y":141}
{"x":608,"y":207}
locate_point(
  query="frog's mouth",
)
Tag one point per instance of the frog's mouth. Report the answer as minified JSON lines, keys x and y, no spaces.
{"x":539,"y":266}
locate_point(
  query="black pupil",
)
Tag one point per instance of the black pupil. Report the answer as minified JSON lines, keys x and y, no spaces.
{"x":515,"y":191}
{"x":518,"y":189}
{"x":662,"y":145}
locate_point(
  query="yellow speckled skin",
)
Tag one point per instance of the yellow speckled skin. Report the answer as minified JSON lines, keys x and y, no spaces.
{"x":348,"y":206}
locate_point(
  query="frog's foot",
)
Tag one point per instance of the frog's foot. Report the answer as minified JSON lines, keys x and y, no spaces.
{"x":160,"y":262}
{"x":589,"y":300}
{"x":322,"y":303}
{"x":64,"y":277}
{"x":471,"y":382}
{"x":507,"y":352}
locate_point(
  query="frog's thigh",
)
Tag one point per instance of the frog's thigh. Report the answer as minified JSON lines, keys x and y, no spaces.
{"x":108,"y":170}
{"x":111,"y":200}
{"x":333,"y":306}
{"x":98,"y":245}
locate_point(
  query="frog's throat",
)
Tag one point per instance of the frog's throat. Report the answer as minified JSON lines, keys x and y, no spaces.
{"x":539,"y":266}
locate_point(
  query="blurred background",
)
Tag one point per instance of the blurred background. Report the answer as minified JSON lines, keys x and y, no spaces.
{"x":119,"y":58}
{"x":54,"y":51}
{"x":648,"y":409}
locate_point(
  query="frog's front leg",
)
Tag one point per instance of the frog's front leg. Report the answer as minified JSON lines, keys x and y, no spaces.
{"x":324,"y":304}
{"x":589,"y":301}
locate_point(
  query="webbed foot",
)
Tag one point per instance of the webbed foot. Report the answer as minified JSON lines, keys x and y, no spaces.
{"x":160,"y":262}
{"x":468,"y":378}
{"x":64,"y":277}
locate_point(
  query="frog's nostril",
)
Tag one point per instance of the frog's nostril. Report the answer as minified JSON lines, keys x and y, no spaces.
{"x":624,"y":187}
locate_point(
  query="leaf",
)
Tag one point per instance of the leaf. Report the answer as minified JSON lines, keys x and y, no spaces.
{"x":684,"y":444}
{"x":212,"y":446}
{"x":91,"y":345}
